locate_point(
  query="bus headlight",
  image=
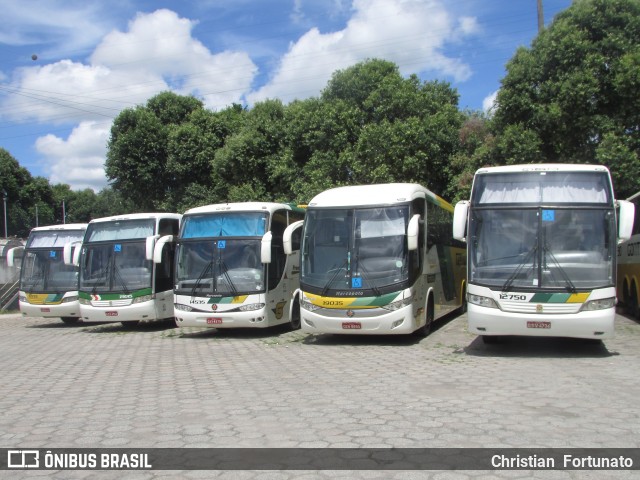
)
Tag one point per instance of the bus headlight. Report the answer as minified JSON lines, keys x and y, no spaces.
{"x":482,"y":301}
{"x":143,"y":298}
{"x":601,"y":304}
{"x":23,"y":299}
{"x":251,"y":307}
{"x":309,"y":306}
{"x":72,"y":298}
{"x":182,"y":308}
{"x":398,"y":304}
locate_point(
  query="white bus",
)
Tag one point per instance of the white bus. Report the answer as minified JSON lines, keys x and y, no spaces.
{"x":120,"y":280}
{"x":48,"y":284}
{"x":379,"y":259}
{"x":628,"y":284}
{"x":541,"y":249}
{"x":231,"y":269}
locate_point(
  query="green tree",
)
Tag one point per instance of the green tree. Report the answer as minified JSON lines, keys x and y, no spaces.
{"x":21,"y":193}
{"x":191,"y":150}
{"x":576,"y":89}
{"x":137,"y":151}
{"x":243,"y":169}
{"x":371,"y":125}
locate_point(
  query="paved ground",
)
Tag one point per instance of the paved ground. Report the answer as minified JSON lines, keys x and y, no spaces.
{"x":103,"y":386}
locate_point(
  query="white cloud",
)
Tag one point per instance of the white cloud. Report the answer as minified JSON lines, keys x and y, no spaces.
{"x":161,"y":44}
{"x":78,"y":160}
{"x":410,"y":33}
{"x":156,"y":53}
{"x":489,"y":102}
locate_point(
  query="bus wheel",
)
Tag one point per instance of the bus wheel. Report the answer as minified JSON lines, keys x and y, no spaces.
{"x":295,"y":315}
{"x":69,"y":320}
{"x":130,"y":323}
{"x":632,"y":306}
{"x":463,"y":308}
{"x":424,"y":330}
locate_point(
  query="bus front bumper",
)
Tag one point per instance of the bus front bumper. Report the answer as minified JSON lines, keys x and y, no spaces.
{"x":598,"y":324}
{"x":250,"y":319}
{"x":359,"y":322}
{"x":66,"y":309}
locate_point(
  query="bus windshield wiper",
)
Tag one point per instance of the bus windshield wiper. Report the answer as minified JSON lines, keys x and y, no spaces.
{"x":333,"y":277}
{"x":518,"y":270}
{"x":365,"y":274}
{"x":204,"y":271}
{"x":118,"y":276}
{"x":570,"y":285}
{"x":225,"y":271}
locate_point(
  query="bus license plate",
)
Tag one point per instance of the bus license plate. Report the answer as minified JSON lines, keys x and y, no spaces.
{"x":111,"y":314}
{"x":538,"y":324}
{"x":45,"y":310}
{"x":351,"y":325}
{"x":214,"y":321}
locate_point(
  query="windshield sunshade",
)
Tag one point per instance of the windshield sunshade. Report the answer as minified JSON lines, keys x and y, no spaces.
{"x":542,"y":188}
{"x":236,"y":224}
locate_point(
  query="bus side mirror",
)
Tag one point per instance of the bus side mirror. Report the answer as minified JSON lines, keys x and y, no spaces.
{"x":287,"y":236}
{"x":625,"y":220}
{"x":157,"y":250}
{"x":11,"y":255}
{"x":265,"y":248}
{"x":76,"y":256}
{"x":150,"y":244}
{"x":413,"y":229}
{"x":67,"y":252}
{"x":460,"y":220}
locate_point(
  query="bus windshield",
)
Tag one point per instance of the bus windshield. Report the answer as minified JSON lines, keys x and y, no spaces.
{"x":43,"y":268}
{"x":44,"y":271}
{"x":229,"y":266}
{"x":355,"y":250}
{"x":219,"y":254}
{"x":546,"y":248}
{"x":115,"y":267}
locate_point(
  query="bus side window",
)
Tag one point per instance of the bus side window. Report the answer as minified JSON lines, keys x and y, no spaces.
{"x":168,"y":226}
{"x":278,"y":258}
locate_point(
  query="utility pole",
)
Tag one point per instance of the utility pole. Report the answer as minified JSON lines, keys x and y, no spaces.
{"x":540,"y":17}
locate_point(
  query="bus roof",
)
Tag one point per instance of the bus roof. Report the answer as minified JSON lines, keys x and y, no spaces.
{"x":378,"y":194}
{"x":242,"y":207}
{"x":64,"y":226}
{"x":137,"y":216}
{"x":543,"y":167}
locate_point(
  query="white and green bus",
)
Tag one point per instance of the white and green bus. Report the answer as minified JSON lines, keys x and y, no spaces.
{"x":541,"y":245}
{"x":120,"y":280}
{"x":48,"y":284}
{"x":379,"y":259}
{"x":231,"y":270}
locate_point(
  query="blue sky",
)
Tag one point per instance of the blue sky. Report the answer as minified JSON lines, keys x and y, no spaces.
{"x":95,"y":58}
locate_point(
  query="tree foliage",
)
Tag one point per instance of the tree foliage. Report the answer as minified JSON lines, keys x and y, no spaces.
{"x":576,"y":89}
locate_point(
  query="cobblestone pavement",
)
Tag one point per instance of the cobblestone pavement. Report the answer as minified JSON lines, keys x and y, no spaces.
{"x":101,"y":386}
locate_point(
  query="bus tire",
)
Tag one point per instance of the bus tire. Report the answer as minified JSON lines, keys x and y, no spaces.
{"x":295,"y":314}
{"x":632,"y":305}
{"x":424,"y":330}
{"x":70,"y":320}
{"x":463,"y":307}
